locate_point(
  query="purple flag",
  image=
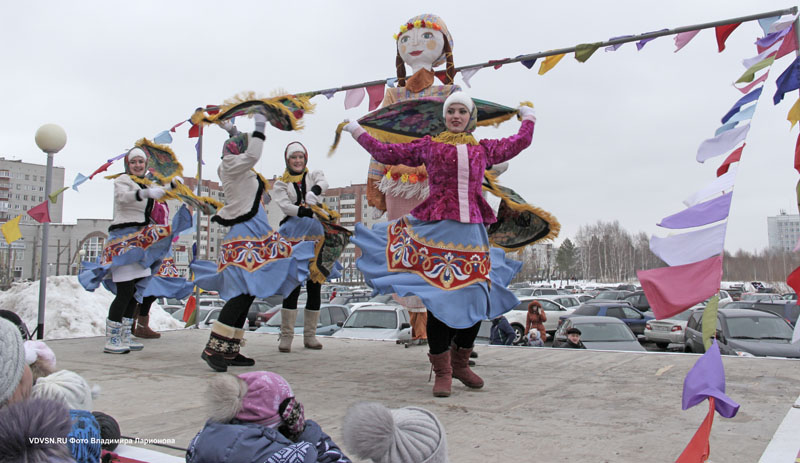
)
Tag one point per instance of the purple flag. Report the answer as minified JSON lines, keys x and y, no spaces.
{"x":119,"y":156}
{"x":707,"y":379}
{"x":528,"y":63}
{"x":199,"y":155}
{"x":616,"y":46}
{"x":640,"y":44}
{"x":771,"y":38}
{"x":788,"y":80}
{"x":752,"y":96}
{"x":722,"y":143}
{"x":700,"y":214}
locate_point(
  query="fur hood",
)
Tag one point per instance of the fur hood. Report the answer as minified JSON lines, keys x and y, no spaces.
{"x":22,"y":422}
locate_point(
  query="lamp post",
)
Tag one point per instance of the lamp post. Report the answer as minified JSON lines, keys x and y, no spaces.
{"x":50,"y":138}
{"x":81,"y":254}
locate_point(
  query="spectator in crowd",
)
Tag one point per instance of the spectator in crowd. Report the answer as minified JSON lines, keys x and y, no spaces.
{"x":535,"y":319}
{"x":533,"y":339}
{"x":40,"y":358}
{"x":502,"y":334}
{"x":403,"y":435}
{"x":574,"y":339}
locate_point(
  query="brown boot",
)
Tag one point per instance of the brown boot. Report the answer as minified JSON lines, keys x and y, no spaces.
{"x":142,"y":330}
{"x":443,"y":372}
{"x":459,"y":360}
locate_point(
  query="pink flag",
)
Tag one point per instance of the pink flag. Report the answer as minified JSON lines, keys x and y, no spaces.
{"x":671,"y":290}
{"x":40,"y":213}
{"x":788,"y":45}
{"x":748,"y":87}
{"x":683,"y":38}
{"x":354,"y":97}
{"x":467,"y":74}
{"x":100,"y":169}
{"x":375,"y":93}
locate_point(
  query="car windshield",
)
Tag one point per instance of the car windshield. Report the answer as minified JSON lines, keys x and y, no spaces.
{"x":276,"y":319}
{"x":605,"y":332}
{"x":587,"y":310}
{"x":759,"y":327}
{"x":684,"y":316}
{"x":522,"y":292}
{"x":384,"y":319}
{"x":607,"y":295}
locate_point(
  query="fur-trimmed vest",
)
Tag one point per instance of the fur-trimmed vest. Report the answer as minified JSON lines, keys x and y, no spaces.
{"x":130,"y":208}
{"x":241,"y":185}
{"x":288,"y":195}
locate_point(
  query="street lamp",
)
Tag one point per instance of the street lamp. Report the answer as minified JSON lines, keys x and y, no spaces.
{"x":50,"y":138}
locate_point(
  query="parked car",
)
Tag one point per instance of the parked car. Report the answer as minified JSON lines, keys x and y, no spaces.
{"x":330,"y":315}
{"x":788,"y":310}
{"x":583,"y":297}
{"x":790,"y":296}
{"x":170,"y":305}
{"x":203,"y":313}
{"x":379,"y":299}
{"x":602,"y":333}
{"x":382,"y":322}
{"x":744,"y":332}
{"x":760,"y":297}
{"x":258,"y":307}
{"x":350,"y":298}
{"x":612,"y":295}
{"x":566,"y":300}
{"x":638,"y":300}
{"x":626,"y":287}
{"x":667,"y":331}
{"x":635,"y":319}
{"x":519,"y":314}
{"x":526,"y":292}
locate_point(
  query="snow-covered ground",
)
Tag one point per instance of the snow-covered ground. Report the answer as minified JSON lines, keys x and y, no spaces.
{"x":71,"y":311}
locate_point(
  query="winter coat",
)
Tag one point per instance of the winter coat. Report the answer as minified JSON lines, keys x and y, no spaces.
{"x":240,"y":184}
{"x":242,"y":442}
{"x":84,"y":443}
{"x":502,"y":334}
{"x":455,"y":173}
{"x":570,"y":345}
{"x":22,"y":423}
{"x":286,"y":194}
{"x":130,"y":207}
{"x":536,"y":321}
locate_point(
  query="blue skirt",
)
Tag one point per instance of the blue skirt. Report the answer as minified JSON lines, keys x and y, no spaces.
{"x":254,"y":260}
{"x":297,"y":229}
{"x":146,"y":246}
{"x":167,"y":282}
{"x":444,"y":262}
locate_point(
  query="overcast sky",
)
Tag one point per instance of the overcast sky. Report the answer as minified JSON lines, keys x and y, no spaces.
{"x":616,"y":136}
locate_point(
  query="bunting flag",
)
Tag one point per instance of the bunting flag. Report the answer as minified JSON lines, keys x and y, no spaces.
{"x":54,"y":196}
{"x":497,"y":64}
{"x":174,"y":127}
{"x":772,"y":38}
{"x":466,"y":74}
{"x":750,"y":73}
{"x":40,"y":213}
{"x":118,"y":157}
{"x":748,"y":87}
{"x":528,"y":63}
{"x":765,"y":23}
{"x":794,"y":114}
{"x":329,"y":94}
{"x":102,"y":168}
{"x":700,"y":214}
{"x":79,"y":179}
{"x":163,"y":138}
{"x":584,"y":51}
{"x":797,"y":156}
{"x":725,"y":127}
{"x":11,"y":230}
{"x":722,"y":143}
{"x":681,"y":39}
{"x":375,"y":93}
{"x":782,"y":23}
{"x":706,"y":380}
{"x":743,"y":115}
{"x":747,"y":63}
{"x":793,"y":280}
{"x":690,"y":247}
{"x":699,"y":448}
{"x":188,"y":310}
{"x":788,"y":80}
{"x":788,"y":45}
{"x":616,"y":47}
{"x":708,"y":323}
{"x":391,"y":81}
{"x":549,"y":63}
{"x":718,"y":185}
{"x":195,"y":130}
{"x":353,"y":97}
{"x":671,"y":290}
{"x":735,"y":156}
{"x":640,"y":44}
{"x":723,"y":32}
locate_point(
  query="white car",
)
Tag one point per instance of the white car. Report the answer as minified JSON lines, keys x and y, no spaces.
{"x":667,"y":331}
{"x":519,"y":314}
{"x":380,"y":322}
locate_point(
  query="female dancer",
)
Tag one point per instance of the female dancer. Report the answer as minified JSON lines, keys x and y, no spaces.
{"x":440,"y":251}
{"x":295,"y":192}
{"x":254,"y":261}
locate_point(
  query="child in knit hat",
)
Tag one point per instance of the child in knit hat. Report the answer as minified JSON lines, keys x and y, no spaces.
{"x":256,"y":417}
{"x":15,"y":375}
{"x":402,"y":435}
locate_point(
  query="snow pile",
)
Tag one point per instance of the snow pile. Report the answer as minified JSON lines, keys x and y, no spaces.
{"x":70,"y":310}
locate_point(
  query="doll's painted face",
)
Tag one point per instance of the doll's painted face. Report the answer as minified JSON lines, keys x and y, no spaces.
{"x":420,"y":47}
{"x":137,"y":166}
{"x":297,"y":162}
{"x":456,"y":118}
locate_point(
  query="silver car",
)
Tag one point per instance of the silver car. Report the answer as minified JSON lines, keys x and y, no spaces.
{"x":667,"y":331}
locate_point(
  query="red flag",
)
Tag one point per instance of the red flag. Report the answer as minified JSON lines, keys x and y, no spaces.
{"x":671,"y":290}
{"x":176,"y":126}
{"x":191,"y":304}
{"x":793,"y":280}
{"x":375,"y":93}
{"x":797,"y":154}
{"x":699,"y":449}
{"x":733,"y":157}
{"x":211,"y":112}
{"x":789,"y":44}
{"x":102,"y":168}
{"x":497,"y":66}
{"x":40,"y":213}
{"x":723,"y":32}
{"x":195,"y":131}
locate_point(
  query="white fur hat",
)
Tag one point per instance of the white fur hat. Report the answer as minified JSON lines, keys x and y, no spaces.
{"x":12,"y":359}
{"x":403,"y":435}
{"x":458,"y":97}
{"x":136,"y":153}
{"x":67,"y":387}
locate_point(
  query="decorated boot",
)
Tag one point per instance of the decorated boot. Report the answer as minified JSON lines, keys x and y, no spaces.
{"x":459,"y":360}
{"x":444,"y":374}
{"x":127,"y":324}
{"x":221,"y":347}
{"x":240,"y":360}
{"x":142,"y":330}
{"x":288,"y":318}
{"x":114,"y":339}
{"x":310,"y":320}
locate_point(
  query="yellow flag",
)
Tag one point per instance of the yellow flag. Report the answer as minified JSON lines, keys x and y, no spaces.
{"x":710,"y":321}
{"x":54,"y":196}
{"x":11,"y":231}
{"x":794,"y":114}
{"x":549,"y":63}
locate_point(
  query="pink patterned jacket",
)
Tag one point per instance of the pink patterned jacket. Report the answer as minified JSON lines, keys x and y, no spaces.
{"x":455,"y":173}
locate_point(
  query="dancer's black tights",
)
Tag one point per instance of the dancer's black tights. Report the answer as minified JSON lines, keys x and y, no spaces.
{"x":234,"y":312}
{"x":313,"y":301}
{"x":124,"y":304}
{"x":440,"y":335}
{"x":144,"y":307}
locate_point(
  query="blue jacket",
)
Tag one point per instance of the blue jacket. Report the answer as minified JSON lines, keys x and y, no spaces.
{"x":84,"y":437}
{"x":502,"y":334}
{"x":241,"y":442}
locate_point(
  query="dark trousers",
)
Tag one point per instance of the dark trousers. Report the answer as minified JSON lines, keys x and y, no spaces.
{"x":124,"y":304}
{"x":234,"y":312}
{"x":440,"y":335}
{"x":313,"y":301}
{"x":144,"y":307}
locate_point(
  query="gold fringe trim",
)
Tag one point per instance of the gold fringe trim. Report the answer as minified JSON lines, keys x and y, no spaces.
{"x":147,"y":146}
{"x":496,"y":121}
{"x":336,"y":138}
{"x":555,"y":226}
{"x":288,"y":177}
{"x":450,"y":138}
{"x":267,"y":185}
{"x":302,"y":102}
{"x":325,"y":213}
